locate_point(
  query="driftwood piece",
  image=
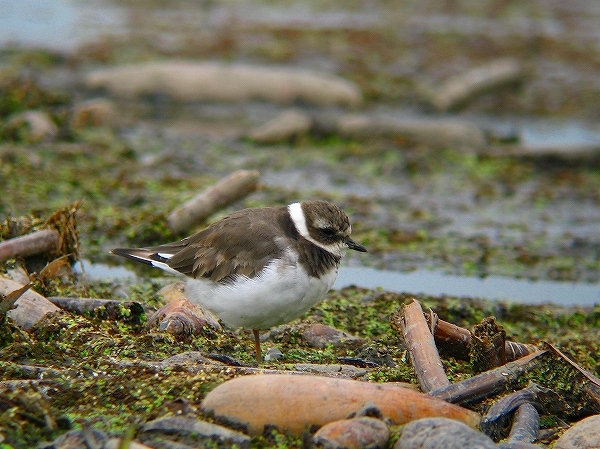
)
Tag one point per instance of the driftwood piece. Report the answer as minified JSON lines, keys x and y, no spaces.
{"x":488,"y":345}
{"x":38,"y":242}
{"x":423,"y":353}
{"x":30,"y":308}
{"x":436,"y":132}
{"x":200,"y":207}
{"x":570,"y":151}
{"x":495,"y":418}
{"x":287,"y":125}
{"x":7,"y":302}
{"x":58,"y":238}
{"x":488,"y":383}
{"x":450,"y":338}
{"x":111,"y":309}
{"x":458,"y":89}
{"x":456,"y":341}
{"x":526,"y":424}
{"x":189,"y":81}
{"x":593,"y":391}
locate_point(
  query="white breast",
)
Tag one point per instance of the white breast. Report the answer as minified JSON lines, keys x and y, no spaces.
{"x":281,"y":293}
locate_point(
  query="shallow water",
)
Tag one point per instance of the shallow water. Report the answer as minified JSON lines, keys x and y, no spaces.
{"x":429,"y":283}
{"x":492,"y":287}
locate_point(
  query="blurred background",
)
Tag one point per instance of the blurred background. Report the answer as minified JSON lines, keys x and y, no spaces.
{"x":461,"y":136}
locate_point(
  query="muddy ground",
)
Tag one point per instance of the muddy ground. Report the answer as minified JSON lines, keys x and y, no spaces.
{"x":415,"y":206}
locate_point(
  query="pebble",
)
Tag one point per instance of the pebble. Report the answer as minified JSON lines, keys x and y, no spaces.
{"x":338,"y":370}
{"x":32,"y":126}
{"x":94,"y":112}
{"x":356,"y":433}
{"x":78,"y":439}
{"x":257,"y":402}
{"x":320,"y":335}
{"x":196,"y":430}
{"x":273,"y":354}
{"x":180,"y":316}
{"x":583,"y":435}
{"x":116,"y":443}
{"x":442,"y":433}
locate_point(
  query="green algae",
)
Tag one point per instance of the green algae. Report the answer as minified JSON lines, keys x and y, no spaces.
{"x":91,"y":371}
{"x":105,"y":373}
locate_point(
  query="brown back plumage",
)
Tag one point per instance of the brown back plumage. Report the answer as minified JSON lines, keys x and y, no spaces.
{"x":226,"y":248}
{"x":243,"y":243}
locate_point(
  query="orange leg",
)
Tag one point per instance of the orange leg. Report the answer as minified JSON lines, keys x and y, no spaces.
{"x":257,"y":346}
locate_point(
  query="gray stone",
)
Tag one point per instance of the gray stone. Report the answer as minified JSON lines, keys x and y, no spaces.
{"x":442,"y":433}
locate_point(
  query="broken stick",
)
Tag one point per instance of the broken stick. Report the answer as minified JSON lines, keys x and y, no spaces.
{"x":421,"y":347}
{"x":38,"y":242}
{"x":203,"y":205}
{"x":488,"y":383}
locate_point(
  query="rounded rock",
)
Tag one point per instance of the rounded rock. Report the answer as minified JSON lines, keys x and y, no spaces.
{"x":433,"y":433}
{"x":583,"y":435}
{"x":356,"y":433}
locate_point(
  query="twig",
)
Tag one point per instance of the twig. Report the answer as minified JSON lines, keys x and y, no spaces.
{"x":38,"y":242}
{"x":488,"y":383}
{"x":422,"y":350}
{"x":526,"y":424}
{"x":460,"y":88}
{"x":112,"y":309}
{"x":199,"y":208}
{"x":585,"y":373}
{"x":456,"y":341}
{"x":492,"y":421}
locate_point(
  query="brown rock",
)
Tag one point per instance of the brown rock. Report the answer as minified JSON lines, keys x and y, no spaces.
{"x":255,"y":402}
{"x":583,"y":435}
{"x":319,"y":335}
{"x":94,"y":112}
{"x":180,"y":316}
{"x":356,"y":433}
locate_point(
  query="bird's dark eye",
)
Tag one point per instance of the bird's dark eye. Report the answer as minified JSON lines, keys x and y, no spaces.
{"x":328,"y":231}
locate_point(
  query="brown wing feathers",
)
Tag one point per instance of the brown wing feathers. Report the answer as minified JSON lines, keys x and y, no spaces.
{"x":225,"y":248}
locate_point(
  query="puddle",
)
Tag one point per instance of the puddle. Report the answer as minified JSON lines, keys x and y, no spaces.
{"x":429,"y":283}
{"x":559,"y":133}
{"x":103,"y":271}
{"x":492,"y":287}
{"x":61,"y":25}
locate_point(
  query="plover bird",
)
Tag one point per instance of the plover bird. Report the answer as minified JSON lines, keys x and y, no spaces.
{"x":258,"y":268}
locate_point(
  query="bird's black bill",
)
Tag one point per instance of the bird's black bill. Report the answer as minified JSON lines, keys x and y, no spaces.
{"x":355,"y":246}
